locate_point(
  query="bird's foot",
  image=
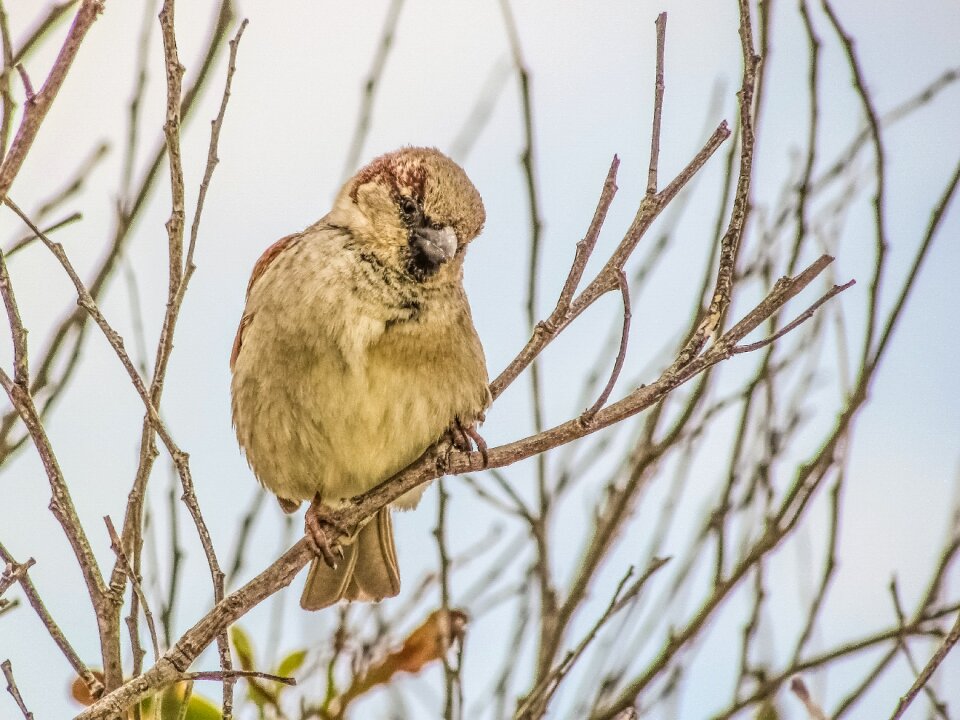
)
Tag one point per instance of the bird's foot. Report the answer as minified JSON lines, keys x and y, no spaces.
{"x":324,"y":532}
{"x":466,"y":438}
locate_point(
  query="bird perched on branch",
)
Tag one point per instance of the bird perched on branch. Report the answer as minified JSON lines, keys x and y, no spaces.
{"x":357,"y":351}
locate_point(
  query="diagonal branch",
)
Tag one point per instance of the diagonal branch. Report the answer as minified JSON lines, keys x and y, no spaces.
{"x":938,"y":657}
{"x":20,"y":571}
{"x":730,"y":242}
{"x":63,"y":347}
{"x":14,"y":691}
{"x":36,"y":110}
{"x":370,"y":87}
{"x":438,"y":460}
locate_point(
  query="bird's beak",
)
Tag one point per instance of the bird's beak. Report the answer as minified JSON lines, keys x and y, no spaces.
{"x":431,"y":248}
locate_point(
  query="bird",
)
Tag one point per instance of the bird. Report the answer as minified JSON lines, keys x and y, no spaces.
{"x":356,"y":352}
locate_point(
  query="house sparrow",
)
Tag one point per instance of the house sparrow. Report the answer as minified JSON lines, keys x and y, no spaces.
{"x":357,"y":351}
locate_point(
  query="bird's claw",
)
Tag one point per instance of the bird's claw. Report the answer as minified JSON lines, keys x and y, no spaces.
{"x":466,"y":438}
{"x":458,"y":437}
{"x":324,"y":533}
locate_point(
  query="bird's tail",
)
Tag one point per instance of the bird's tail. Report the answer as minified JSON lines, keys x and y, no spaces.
{"x":368,"y":571}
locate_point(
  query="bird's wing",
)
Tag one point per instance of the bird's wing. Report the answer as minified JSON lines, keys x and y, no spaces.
{"x":259,"y":268}
{"x":269,"y":255}
{"x":238,"y":340}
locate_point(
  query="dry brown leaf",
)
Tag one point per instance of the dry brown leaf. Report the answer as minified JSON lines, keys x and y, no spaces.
{"x":79,"y":691}
{"x":427,"y":643}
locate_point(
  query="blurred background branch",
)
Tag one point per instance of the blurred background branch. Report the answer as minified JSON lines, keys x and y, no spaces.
{"x":768,"y":499}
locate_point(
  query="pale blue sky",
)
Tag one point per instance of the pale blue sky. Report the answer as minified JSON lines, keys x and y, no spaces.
{"x":294,"y":104}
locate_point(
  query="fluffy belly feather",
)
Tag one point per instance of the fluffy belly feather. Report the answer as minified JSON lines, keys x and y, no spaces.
{"x":341,"y":428}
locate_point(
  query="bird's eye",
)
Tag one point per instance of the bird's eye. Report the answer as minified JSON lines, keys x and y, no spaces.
{"x":408,"y":207}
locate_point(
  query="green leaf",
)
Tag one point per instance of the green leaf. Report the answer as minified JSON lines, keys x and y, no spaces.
{"x":291,"y":663}
{"x":243,"y":646}
{"x":199,"y":707}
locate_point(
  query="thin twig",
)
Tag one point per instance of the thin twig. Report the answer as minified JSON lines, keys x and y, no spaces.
{"x":6,"y":96}
{"x":36,"y":110}
{"x":543,"y":567}
{"x":916,"y":101}
{"x":370,"y":87}
{"x":937,"y":706}
{"x":18,"y":334}
{"x":27,"y":84}
{"x":829,"y":567}
{"x":53,"y":16}
{"x":179,"y":275}
{"x":176,"y":565}
{"x":534,"y":705}
{"x":482,"y":110}
{"x":730,"y":242}
{"x":621,"y":353}
{"x":879,"y":199}
{"x":117,"y":548}
{"x":136,"y":97}
{"x":545,"y":331}
{"x":223,"y":675}
{"x":453,"y":691}
{"x":178,"y":658}
{"x":243,"y":536}
{"x":216,"y":126}
{"x":555,"y":624}
{"x":799,"y":689}
{"x":14,"y":572}
{"x":94,"y":686}
{"x":58,"y":362}
{"x":918,"y":628}
{"x":14,"y":690}
{"x":61,"y":504}
{"x":657,"y":106}
{"x":938,"y":657}
{"x":800,"y":319}
{"x":936,"y":218}
{"x":28,"y":239}
{"x":581,"y":256}
{"x":528,"y":162}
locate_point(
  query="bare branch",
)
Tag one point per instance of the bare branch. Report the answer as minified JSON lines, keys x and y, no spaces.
{"x":66,"y":339}
{"x":117,"y":548}
{"x":216,"y":126}
{"x":36,"y":110}
{"x":535,"y":704}
{"x":439,"y":460}
{"x":13,"y":573}
{"x":94,"y":686}
{"x":879,"y":198}
{"x":799,"y":688}
{"x":453,"y":683}
{"x":14,"y":690}
{"x":21,"y":370}
{"x":9,"y":106}
{"x":800,"y":319}
{"x":545,"y":331}
{"x":657,"y":106}
{"x":730,"y":243}
{"x":621,"y":353}
{"x":25,"y":241}
{"x":223,"y":675}
{"x":370,"y":87}
{"x":56,"y":12}
{"x":605,"y":280}
{"x":938,"y":657}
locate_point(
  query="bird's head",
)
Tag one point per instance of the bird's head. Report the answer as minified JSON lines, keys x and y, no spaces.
{"x":415,"y":208}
